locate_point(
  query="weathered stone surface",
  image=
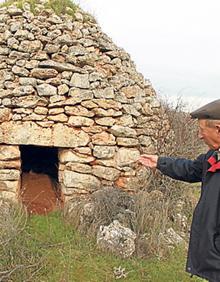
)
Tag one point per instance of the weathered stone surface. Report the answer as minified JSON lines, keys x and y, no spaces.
{"x":71,"y":156}
{"x":12,"y":196}
{"x":64,"y":136}
{"x":9,"y":152}
{"x":107,"y":93}
{"x":80,"y":80}
{"x":103,"y":138}
{"x":106,"y":113}
{"x":132,"y":91}
{"x":127,"y":142}
{"x":5,"y":114}
{"x":30,"y":133}
{"x":117,"y":239}
{"x":145,"y":140}
{"x":131,"y":110}
{"x":127,"y":156}
{"x":44,"y":73}
{"x":10,"y":164}
{"x":79,"y":167}
{"x":46,"y":90}
{"x":60,"y":67}
{"x":28,"y":81}
{"x":9,"y":186}
{"x":81,"y":181}
{"x":58,"y":118}
{"x":62,"y":89}
{"x":27,"y":46}
{"x":106,"y":121}
{"x":9,"y":174}
{"x":78,"y":96}
{"x":104,"y":152}
{"x":78,"y":111}
{"x":122,"y":131}
{"x":104,"y":172}
{"x":78,"y":121}
{"x":108,"y":104}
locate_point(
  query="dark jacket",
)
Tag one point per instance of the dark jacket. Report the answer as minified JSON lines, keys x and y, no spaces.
{"x":204,"y":246}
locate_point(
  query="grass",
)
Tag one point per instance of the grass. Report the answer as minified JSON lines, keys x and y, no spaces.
{"x":59,"y":7}
{"x":56,"y":252}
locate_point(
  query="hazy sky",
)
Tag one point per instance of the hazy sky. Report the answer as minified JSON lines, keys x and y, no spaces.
{"x":175,"y":44}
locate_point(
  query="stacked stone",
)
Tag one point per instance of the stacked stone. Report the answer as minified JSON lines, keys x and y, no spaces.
{"x":9,"y":171}
{"x":64,"y":83}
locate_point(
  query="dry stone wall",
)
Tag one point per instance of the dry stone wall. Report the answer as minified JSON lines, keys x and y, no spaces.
{"x":64,"y":83}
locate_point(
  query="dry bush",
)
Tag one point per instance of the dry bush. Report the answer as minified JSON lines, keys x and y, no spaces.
{"x":103,"y":206}
{"x":17,"y":262}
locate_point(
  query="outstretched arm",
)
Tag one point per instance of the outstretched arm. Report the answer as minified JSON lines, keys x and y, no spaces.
{"x":176,"y":168}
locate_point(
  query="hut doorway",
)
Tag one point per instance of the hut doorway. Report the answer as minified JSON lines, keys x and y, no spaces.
{"x":40,"y":191}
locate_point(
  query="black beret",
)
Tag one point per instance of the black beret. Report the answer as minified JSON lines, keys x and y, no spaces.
{"x":209,"y":111}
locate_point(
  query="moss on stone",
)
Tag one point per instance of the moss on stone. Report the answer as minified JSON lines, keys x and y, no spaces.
{"x":59,"y":7}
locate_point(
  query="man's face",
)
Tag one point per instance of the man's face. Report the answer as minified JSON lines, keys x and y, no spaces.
{"x":209,"y":134}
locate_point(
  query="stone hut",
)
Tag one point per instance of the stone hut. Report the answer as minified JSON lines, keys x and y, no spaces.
{"x":73,"y":99}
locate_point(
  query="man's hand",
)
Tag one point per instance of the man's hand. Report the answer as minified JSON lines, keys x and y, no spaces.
{"x":149,"y":160}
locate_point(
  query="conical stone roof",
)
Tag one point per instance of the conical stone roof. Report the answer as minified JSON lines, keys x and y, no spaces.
{"x":64,"y":83}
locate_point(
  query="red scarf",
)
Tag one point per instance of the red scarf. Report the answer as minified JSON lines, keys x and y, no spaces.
{"x":214,"y":162}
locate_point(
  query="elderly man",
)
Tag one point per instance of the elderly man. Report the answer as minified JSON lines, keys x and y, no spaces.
{"x":204,"y":246}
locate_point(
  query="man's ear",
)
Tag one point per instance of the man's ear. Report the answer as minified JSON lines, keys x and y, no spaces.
{"x":218,"y":128}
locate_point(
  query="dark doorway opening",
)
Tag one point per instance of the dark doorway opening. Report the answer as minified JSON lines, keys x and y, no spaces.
{"x":40,"y":160}
{"x":40,"y":191}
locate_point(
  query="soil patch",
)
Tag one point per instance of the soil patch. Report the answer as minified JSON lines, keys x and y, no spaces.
{"x":38,"y":193}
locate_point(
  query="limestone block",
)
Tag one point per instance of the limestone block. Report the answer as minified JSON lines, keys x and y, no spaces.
{"x":79,"y":121}
{"x":132,"y":91}
{"x":145,"y":140}
{"x":28,"y":46}
{"x":20,"y":71}
{"x":55,"y":111}
{"x":108,"y":104}
{"x":9,"y":195}
{"x":99,"y":112}
{"x":9,"y":152}
{"x":127,"y":142}
{"x":106,"y":121}
{"x":41,"y":110}
{"x":23,"y":90}
{"x":64,"y":136}
{"x":81,"y":181}
{"x":127,"y":156}
{"x":107,"y":93}
{"x":80,"y":80}
{"x":60,"y":67}
{"x":28,"y":81}
{"x":78,"y":167}
{"x":43,"y":73}
{"x":104,"y":152}
{"x":122,"y":131}
{"x":10,"y":186}
{"x":71,"y":156}
{"x":63,"y":89}
{"x":78,"y":95}
{"x":46,"y":90}
{"x":104,"y":172}
{"x":131,"y":110}
{"x":103,"y":138}
{"x":78,"y":111}
{"x":10,"y":164}
{"x":5,"y":114}
{"x":58,"y":118}
{"x":9,"y":174}
{"x":117,"y":239}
